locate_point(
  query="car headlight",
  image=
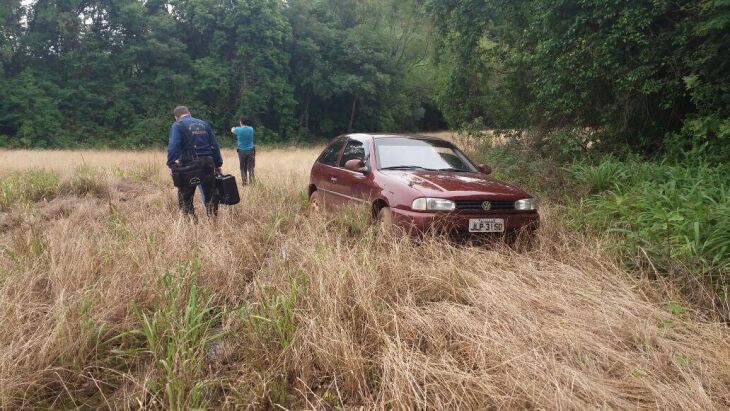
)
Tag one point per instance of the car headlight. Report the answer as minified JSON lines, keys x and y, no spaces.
{"x":526,"y":204}
{"x":433,"y":204}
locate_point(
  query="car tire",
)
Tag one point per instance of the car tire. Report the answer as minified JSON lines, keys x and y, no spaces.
{"x":316,"y":202}
{"x":385,"y":218}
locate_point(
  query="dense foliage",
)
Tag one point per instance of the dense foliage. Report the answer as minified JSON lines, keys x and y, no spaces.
{"x":649,"y":75}
{"x":108,"y":73}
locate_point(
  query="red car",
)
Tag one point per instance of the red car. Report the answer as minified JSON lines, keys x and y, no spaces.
{"x":418,"y":183}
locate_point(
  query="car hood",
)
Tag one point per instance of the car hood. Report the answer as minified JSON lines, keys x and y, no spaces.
{"x":435,"y":184}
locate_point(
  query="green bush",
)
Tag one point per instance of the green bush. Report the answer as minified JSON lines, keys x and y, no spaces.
{"x":679,"y":215}
{"x":27,"y":186}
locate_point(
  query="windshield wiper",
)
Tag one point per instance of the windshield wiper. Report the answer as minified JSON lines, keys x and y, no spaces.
{"x":459,"y":170}
{"x":405,"y":168}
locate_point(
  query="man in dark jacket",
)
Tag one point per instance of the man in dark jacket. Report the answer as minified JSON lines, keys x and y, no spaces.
{"x":191,"y":138}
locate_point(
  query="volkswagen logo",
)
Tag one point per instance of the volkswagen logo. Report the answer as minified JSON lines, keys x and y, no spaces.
{"x":486,"y":205}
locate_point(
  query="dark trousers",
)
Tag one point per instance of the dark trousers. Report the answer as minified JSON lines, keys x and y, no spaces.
{"x":186,"y":195}
{"x":247,"y":162}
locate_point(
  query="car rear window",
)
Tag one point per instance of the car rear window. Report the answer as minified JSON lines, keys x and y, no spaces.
{"x":329,"y":155}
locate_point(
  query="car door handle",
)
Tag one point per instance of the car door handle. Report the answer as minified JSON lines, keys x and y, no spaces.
{"x":333,"y":179}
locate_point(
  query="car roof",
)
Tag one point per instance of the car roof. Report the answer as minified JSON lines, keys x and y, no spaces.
{"x":365,"y":136}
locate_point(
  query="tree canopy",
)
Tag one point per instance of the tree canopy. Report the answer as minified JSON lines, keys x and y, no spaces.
{"x":108,"y":73}
{"x":651,"y":75}
{"x":648,"y":76}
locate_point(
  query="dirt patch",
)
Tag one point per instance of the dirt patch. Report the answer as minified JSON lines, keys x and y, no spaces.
{"x":58,"y":207}
{"x":7,"y":221}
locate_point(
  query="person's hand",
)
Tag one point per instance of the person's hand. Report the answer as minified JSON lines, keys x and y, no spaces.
{"x":218,"y":171}
{"x":170,"y":170}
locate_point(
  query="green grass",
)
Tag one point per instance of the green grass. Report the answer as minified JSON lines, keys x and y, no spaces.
{"x":142,"y":173}
{"x":28,"y":186}
{"x":609,"y":174}
{"x":674,"y":213}
{"x":86,"y":181}
{"x":276,"y":312}
{"x":177,"y":332}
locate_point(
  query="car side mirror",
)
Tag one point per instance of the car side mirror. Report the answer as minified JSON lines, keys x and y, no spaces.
{"x":356,"y":165}
{"x":484,"y":169}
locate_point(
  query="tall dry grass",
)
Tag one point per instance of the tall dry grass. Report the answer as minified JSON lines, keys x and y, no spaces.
{"x":108,"y":298}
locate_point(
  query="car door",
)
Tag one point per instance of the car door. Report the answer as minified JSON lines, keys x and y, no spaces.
{"x":353,"y":186}
{"x":323,"y":175}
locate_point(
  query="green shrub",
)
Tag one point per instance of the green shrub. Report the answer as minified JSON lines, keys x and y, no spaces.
{"x":603,"y":176}
{"x":27,"y":186}
{"x":679,"y":215}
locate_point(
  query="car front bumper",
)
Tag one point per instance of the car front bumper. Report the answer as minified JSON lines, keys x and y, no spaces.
{"x":458,"y":223}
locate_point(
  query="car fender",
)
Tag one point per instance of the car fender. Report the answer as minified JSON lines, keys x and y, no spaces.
{"x":396,"y":193}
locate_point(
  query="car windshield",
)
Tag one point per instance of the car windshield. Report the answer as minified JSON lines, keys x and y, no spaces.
{"x":409,"y":153}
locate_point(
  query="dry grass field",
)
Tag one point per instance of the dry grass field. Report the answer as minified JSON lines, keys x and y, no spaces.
{"x":110,"y":299}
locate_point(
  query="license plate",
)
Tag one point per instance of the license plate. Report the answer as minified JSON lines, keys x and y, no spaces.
{"x":486,"y":225}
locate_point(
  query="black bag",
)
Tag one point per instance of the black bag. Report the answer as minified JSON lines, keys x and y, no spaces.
{"x":191,"y":174}
{"x":194,"y":170}
{"x":227,"y":189}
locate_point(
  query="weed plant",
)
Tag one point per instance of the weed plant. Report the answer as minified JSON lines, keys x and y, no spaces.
{"x":26,"y":187}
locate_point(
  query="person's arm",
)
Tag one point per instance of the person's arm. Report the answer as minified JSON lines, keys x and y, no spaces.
{"x":173,"y":145}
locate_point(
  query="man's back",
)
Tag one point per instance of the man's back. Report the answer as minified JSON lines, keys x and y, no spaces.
{"x":203,"y":140}
{"x":202,"y":135}
{"x":244,"y":137}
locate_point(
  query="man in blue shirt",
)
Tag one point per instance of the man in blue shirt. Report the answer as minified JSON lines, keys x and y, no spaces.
{"x":191,"y":138}
{"x":246,"y":149}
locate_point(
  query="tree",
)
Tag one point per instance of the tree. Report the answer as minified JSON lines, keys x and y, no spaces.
{"x":108,"y":72}
{"x":641,"y":72}
{"x":353,"y":64}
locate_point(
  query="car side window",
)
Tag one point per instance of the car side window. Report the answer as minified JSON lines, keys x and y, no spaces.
{"x":355,"y":150}
{"x":329,"y":155}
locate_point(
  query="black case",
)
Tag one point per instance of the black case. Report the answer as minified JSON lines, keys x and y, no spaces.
{"x":227,"y":189}
{"x":190,"y":175}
